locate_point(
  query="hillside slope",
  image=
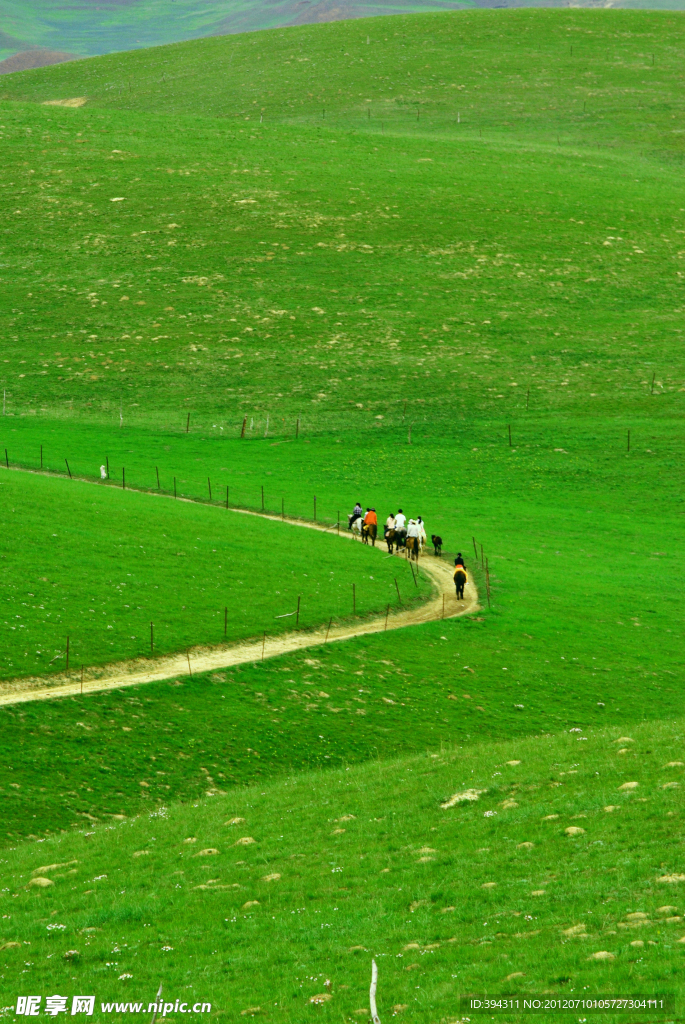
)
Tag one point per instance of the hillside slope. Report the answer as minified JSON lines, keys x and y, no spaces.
{"x":547,"y":866}
{"x":88,"y":28}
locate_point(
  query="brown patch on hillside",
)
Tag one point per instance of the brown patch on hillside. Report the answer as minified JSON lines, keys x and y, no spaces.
{"x":34,"y":58}
{"x":74,"y":101}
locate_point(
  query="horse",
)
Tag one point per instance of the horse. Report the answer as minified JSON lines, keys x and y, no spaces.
{"x":357,"y":526}
{"x":460,"y":581}
{"x":369,"y":530}
{"x":437,"y":544}
{"x":412,"y":545}
{"x":395,"y":537}
{"x":353,"y":521}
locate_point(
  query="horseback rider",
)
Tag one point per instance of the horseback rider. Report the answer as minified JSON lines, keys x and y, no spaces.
{"x":460,"y":578}
{"x":459,"y":560}
{"x":357,"y":513}
{"x":389,"y":524}
{"x":422,"y":531}
{"x":413,"y":530}
{"x":370,"y":519}
{"x":400,"y":527}
{"x":371,"y":525}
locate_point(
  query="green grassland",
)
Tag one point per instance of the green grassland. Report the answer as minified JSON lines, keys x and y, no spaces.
{"x":409,"y":235}
{"x":103,"y":564}
{"x":263,"y":898}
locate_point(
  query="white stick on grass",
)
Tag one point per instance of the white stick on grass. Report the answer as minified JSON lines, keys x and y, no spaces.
{"x":372,"y":993}
{"x":157,"y":1003}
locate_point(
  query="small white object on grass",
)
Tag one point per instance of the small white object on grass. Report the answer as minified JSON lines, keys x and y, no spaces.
{"x":372,"y":993}
{"x":103,"y":473}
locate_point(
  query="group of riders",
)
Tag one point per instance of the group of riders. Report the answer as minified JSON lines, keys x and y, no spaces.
{"x":400,"y":533}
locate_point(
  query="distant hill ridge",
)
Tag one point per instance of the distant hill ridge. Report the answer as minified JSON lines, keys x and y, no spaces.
{"x":52,"y":31}
{"x":37,"y":57}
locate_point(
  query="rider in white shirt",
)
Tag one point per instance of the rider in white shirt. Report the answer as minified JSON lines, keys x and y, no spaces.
{"x":400,"y":520}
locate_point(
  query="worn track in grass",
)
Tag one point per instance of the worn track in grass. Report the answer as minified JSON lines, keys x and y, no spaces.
{"x":443,"y":604}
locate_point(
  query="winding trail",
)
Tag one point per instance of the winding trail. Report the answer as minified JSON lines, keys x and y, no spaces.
{"x":442,"y":604}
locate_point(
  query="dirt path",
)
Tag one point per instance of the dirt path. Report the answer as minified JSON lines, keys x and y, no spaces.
{"x":442,"y":604}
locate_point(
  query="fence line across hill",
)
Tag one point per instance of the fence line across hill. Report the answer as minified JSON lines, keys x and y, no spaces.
{"x":253,"y":510}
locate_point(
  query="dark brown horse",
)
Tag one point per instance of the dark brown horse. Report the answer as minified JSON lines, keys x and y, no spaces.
{"x":396,"y":538}
{"x":369,"y":531}
{"x":460,"y":581}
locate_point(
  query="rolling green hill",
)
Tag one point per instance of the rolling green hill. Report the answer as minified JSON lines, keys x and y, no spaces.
{"x":87,"y":28}
{"x":430,"y":262}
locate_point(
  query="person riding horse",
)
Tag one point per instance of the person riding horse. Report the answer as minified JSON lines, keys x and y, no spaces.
{"x":413,"y":542}
{"x":400,"y":528}
{"x":460,"y":578}
{"x":370,"y":527}
{"x":357,"y":513}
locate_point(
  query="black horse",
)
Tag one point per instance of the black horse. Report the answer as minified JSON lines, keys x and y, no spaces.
{"x":460,"y":581}
{"x":437,"y":544}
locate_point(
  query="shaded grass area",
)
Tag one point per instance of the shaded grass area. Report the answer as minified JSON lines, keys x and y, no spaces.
{"x":319,"y":872}
{"x":103,"y":565}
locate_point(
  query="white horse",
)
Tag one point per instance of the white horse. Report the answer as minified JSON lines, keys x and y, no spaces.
{"x":356,"y":526}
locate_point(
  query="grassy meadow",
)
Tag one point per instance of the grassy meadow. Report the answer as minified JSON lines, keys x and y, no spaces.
{"x":105,"y":562}
{"x":556,"y":870}
{"x":429,"y":262}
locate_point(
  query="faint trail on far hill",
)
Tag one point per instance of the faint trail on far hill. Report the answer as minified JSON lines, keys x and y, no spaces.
{"x":442,"y":604}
